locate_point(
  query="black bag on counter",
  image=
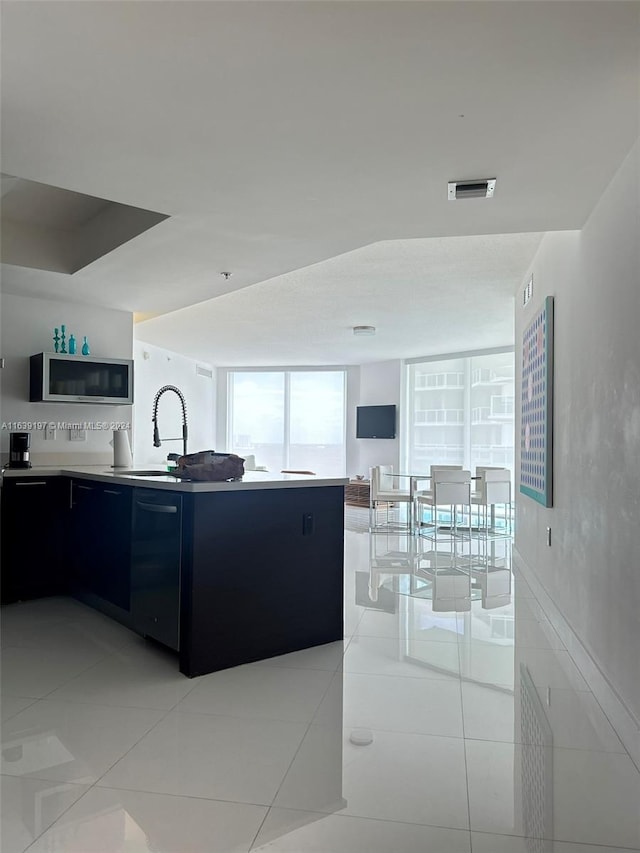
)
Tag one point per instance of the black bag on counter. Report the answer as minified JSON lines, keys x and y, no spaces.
{"x":209,"y":466}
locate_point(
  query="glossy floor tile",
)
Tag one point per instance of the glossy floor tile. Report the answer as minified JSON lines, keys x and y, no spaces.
{"x":35,"y":672}
{"x":412,"y":659}
{"x":486,"y":843}
{"x":10,"y":705}
{"x":137,"y":676}
{"x":273,"y":692}
{"x":327,"y":657}
{"x":550,"y":792}
{"x":29,"y":806}
{"x":451,"y":719}
{"x":71,"y":742}
{"x":394,"y":704}
{"x":204,"y":755}
{"x":109,"y":821}
{"x":287,"y":831}
{"x":408,"y":778}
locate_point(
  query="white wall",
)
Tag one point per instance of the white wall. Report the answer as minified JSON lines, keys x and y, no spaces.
{"x":27,"y":328}
{"x":156,"y":367}
{"x":591,"y":569}
{"x":379,"y":384}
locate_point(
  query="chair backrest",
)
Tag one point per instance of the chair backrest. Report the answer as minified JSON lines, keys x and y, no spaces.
{"x":451,"y":486}
{"x":494,"y":485}
{"x":434,"y":468}
{"x":386,"y":478}
{"x":381,"y":479}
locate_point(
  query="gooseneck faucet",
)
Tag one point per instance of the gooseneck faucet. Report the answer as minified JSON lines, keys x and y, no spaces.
{"x":156,"y":432}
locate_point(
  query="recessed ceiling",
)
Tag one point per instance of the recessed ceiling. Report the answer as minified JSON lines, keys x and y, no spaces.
{"x":280,"y":135}
{"x":48,"y":228}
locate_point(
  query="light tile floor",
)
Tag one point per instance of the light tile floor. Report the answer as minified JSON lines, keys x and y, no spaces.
{"x":481,"y":736}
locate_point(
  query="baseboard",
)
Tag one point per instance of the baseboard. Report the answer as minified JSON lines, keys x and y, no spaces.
{"x":620,"y":717}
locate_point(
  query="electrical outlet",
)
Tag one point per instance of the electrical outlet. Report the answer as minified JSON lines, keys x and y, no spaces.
{"x":76,"y":434}
{"x":49,"y":432}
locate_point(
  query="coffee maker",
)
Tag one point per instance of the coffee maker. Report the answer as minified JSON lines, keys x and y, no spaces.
{"x":19,"y":443}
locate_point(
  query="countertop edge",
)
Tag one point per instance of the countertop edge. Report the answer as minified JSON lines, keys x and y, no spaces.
{"x":258,"y":480}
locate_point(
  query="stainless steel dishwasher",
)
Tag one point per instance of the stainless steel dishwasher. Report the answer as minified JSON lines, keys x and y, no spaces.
{"x":155,"y":565}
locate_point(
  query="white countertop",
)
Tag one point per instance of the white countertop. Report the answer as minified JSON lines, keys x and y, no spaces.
{"x":251,"y":480}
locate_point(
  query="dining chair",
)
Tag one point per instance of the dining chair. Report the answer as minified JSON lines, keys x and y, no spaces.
{"x":493,"y":487}
{"x":383,"y":491}
{"x":433,"y":469}
{"x":449,"y":487}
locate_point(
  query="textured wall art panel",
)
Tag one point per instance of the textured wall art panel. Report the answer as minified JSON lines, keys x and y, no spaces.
{"x":536,"y":479}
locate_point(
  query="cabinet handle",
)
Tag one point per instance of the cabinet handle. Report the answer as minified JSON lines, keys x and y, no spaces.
{"x":86,"y":488}
{"x":111,"y":492}
{"x":157,"y":507}
{"x":89,"y":398}
{"x":33,"y":483}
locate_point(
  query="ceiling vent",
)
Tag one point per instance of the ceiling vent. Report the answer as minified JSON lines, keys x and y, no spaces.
{"x":480,"y":188}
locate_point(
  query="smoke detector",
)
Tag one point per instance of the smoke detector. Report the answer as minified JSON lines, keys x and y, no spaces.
{"x":364,"y":330}
{"x":478,"y":188}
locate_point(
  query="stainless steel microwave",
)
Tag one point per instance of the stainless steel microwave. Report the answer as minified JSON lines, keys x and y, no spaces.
{"x":57,"y":378}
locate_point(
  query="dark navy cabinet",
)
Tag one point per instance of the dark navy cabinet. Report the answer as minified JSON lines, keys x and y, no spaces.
{"x":156,"y":555}
{"x":35,"y":524}
{"x":100,"y":546}
{"x":224,"y":577}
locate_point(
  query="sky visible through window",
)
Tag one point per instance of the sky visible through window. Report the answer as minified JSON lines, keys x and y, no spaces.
{"x":290,"y":419}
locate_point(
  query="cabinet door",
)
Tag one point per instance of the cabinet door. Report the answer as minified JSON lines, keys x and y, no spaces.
{"x":102,"y":540}
{"x":115,"y":535}
{"x":35,"y":516}
{"x":86,"y":557}
{"x":155,"y":565}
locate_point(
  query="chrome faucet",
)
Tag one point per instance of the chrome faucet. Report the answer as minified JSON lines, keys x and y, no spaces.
{"x":156,"y":432}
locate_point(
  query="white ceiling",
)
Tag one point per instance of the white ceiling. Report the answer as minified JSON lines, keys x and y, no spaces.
{"x":280,"y":135}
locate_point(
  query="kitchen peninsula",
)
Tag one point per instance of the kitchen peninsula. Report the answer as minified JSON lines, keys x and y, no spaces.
{"x":223,"y":573}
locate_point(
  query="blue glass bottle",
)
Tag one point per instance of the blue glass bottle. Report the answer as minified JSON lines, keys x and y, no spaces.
{"x":72,"y":345}
{"x":85,"y":346}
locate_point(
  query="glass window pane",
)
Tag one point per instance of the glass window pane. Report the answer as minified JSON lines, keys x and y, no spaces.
{"x":437,"y":399}
{"x":316,"y":422}
{"x":462,"y":412}
{"x":492,"y":401}
{"x":313,"y":401}
{"x":257,"y":417}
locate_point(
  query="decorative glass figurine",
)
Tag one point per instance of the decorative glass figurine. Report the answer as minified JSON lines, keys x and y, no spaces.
{"x":56,"y":339}
{"x":85,"y":346}
{"x":63,"y":340}
{"x":72,"y":345}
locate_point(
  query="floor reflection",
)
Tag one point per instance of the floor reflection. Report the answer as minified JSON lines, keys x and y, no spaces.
{"x":451,"y":719}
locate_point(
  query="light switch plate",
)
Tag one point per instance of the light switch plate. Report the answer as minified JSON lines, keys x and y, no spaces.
{"x":76,"y":434}
{"x":49,"y":432}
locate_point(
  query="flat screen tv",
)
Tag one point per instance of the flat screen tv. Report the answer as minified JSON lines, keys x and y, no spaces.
{"x":376,"y":422}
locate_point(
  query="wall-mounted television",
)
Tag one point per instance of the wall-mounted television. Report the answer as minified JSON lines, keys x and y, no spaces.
{"x":376,"y":422}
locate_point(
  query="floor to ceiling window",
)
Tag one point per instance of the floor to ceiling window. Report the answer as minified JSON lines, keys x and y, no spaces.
{"x":288,"y":419}
{"x":461,"y":411}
